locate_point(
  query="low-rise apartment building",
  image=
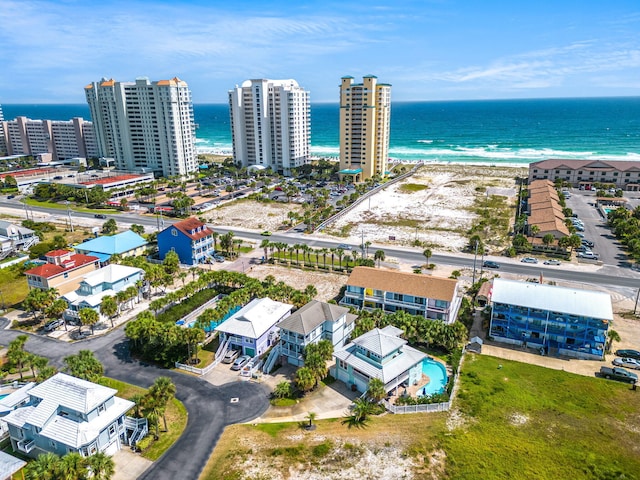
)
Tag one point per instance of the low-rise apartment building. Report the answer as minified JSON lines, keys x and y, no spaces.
{"x":586,"y":173}
{"x":432,"y":297}
{"x":555,"y":320}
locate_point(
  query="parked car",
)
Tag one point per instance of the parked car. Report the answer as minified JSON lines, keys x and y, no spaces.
{"x":635,"y":354}
{"x":620,"y":374}
{"x":344,"y":246}
{"x":230,"y":356}
{"x":587,"y":243}
{"x":582,"y":249}
{"x":52,"y":325}
{"x":218,"y":258}
{"x":266,"y":233}
{"x":100,"y":215}
{"x":490,"y":264}
{"x":627,"y":362}
{"x":552,"y":262}
{"x":9,"y":197}
{"x":588,"y":255}
{"x":240,"y":362}
{"x":529,"y":260}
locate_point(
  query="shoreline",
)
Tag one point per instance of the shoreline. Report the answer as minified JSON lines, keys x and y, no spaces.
{"x":397,"y":161}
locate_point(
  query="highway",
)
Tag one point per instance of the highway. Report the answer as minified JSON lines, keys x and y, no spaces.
{"x":607,"y":275}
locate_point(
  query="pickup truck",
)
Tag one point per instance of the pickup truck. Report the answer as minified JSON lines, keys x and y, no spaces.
{"x":620,"y":374}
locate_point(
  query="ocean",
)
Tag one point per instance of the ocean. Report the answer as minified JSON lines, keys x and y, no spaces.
{"x":488,"y":131}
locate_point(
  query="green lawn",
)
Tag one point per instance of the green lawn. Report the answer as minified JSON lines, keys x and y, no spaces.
{"x":527,"y":422}
{"x":516,"y":421}
{"x":176,"y":419}
{"x":73,"y":207}
{"x":13,"y":286}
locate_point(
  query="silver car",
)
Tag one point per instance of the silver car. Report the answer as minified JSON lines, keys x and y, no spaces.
{"x":627,"y":363}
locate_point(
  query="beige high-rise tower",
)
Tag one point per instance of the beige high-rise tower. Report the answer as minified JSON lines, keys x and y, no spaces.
{"x":365,"y":114}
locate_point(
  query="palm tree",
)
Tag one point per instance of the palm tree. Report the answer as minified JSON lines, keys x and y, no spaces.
{"x":311,"y":416}
{"x":548,"y":239}
{"x":88,"y":316}
{"x":376,"y":390}
{"x":109,"y":307}
{"x":72,"y":466}
{"x":102,"y":466}
{"x":162,"y":391}
{"x":305,"y":379}
{"x":427,"y":254}
{"x":17,"y":354}
{"x":612,"y":336}
{"x":379,"y":256}
{"x":43,"y":468}
{"x":340,"y":254}
{"x":265,"y":245}
{"x":57,"y":308}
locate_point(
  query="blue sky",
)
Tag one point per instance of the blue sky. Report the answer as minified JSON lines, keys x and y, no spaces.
{"x":428,"y":50}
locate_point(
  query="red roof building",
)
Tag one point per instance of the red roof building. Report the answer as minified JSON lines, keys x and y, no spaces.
{"x":63,"y":271}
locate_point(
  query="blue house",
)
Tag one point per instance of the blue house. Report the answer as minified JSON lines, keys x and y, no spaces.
{"x":314,"y":322}
{"x":554,"y":320}
{"x":95,"y":286}
{"x":381,"y":354}
{"x":190,"y":239}
{"x":125,"y":244}
{"x":65,"y":414}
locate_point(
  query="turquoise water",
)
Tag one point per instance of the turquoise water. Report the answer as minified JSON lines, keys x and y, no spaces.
{"x":437,"y":374}
{"x":3,"y":395}
{"x":490,"y":131}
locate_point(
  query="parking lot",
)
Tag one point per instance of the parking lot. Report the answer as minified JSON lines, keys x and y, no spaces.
{"x":611,"y":252}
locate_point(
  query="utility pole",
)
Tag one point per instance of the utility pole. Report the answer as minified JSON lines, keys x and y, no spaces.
{"x":475,"y":256}
{"x":362,"y":243}
{"x":635,"y":307}
{"x":69,"y":215}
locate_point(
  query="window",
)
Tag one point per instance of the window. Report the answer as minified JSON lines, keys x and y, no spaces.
{"x":174,"y":232}
{"x":101,"y":409}
{"x":112,"y":430}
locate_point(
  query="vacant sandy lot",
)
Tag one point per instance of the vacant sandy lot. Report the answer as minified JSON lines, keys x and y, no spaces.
{"x":439,"y":214}
{"x":251,"y":214}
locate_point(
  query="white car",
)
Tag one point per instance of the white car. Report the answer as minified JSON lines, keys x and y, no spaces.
{"x":628,"y":363}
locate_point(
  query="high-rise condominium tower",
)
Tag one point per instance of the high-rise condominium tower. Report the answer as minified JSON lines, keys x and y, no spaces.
{"x":63,"y":139}
{"x":3,"y":141}
{"x":144,"y":125}
{"x":270,"y":124}
{"x":365,"y":113}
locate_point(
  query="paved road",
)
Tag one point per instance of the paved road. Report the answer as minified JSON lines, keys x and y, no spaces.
{"x":209,"y":407}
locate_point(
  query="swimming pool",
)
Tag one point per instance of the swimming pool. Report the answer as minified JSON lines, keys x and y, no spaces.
{"x":437,"y":374}
{"x":3,"y":395}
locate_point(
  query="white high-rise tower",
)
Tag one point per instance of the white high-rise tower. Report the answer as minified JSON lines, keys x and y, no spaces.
{"x":270,"y":124}
{"x":145,"y":125}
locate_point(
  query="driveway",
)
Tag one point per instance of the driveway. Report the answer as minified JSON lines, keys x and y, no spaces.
{"x":210,"y":407}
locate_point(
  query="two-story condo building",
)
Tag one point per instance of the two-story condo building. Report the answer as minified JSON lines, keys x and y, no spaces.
{"x":63,"y":271}
{"x":65,"y":414}
{"x":95,"y":286}
{"x":379,"y":353}
{"x":124,"y":244}
{"x":556,"y":320}
{"x":253,"y":328}
{"x":432,"y":297}
{"x":314,"y":322}
{"x":190,"y":239}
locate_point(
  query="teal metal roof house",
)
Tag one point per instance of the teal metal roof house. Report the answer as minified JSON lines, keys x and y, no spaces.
{"x":125,"y":244}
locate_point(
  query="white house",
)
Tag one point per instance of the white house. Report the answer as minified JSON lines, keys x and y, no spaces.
{"x":253,"y":328}
{"x":65,"y":414}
